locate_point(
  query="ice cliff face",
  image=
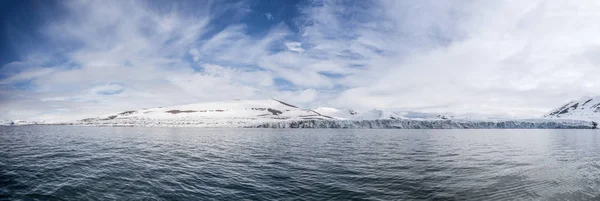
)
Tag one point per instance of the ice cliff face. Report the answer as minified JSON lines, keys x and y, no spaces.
{"x":587,"y":108}
{"x":432,"y":124}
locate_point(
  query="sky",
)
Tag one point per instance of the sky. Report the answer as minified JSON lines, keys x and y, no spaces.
{"x":66,"y":60}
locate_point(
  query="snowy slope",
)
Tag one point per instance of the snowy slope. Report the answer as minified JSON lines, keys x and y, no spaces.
{"x":271,"y":113}
{"x":349,"y":114}
{"x":587,"y":108}
{"x":240,"y":113}
{"x":212,"y":114}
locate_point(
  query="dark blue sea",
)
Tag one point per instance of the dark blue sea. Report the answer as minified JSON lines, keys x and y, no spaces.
{"x":106,"y":163}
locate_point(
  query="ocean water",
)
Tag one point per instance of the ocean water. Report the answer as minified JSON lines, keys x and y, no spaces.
{"x":105,"y":163}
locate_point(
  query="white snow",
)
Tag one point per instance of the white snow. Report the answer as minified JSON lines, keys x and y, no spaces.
{"x":586,"y":108}
{"x":231,"y":113}
{"x":19,"y":122}
{"x":349,"y":114}
{"x":271,"y":113}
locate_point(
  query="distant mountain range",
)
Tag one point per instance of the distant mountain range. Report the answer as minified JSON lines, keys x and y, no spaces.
{"x":245,"y":112}
{"x":231,"y":113}
{"x":235,"y":113}
{"x":276,"y":113}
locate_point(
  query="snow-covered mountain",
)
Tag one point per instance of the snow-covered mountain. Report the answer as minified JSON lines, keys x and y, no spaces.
{"x":232,"y":113}
{"x":272,"y":113}
{"x":236,"y":113}
{"x":586,"y":108}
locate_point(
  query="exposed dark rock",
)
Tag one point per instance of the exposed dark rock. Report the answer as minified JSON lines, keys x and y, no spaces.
{"x":560,"y":110}
{"x":274,"y":111}
{"x":565,"y":109}
{"x":586,"y":102}
{"x":286,"y":104}
{"x":352,"y":112}
{"x":179,"y":111}
{"x":110,"y":117}
{"x":321,"y":114}
{"x":575,"y":106}
{"x":127,"y":112}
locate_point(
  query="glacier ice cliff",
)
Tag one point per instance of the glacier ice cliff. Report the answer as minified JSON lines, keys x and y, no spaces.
{"x":431,"y":124}
{"x":272,"y":113}
{"x":348,"y":124}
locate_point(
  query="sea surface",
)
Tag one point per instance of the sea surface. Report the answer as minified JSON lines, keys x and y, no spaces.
{"x":106,"y":163}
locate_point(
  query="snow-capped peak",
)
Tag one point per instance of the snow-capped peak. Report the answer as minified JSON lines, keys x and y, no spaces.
{"x":586,"y":108}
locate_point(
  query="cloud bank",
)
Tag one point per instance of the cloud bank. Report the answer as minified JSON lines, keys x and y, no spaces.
{"x":502,"y":58}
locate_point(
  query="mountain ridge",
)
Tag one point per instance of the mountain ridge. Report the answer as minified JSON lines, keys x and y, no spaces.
{"x":586,"y":108}
{"x":277,"y":113}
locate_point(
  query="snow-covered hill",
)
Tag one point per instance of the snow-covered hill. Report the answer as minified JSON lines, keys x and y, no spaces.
{"x":19,"y":122}
{"x":232,"y":113}
{"x":587,"y":108}
{"x":235,"y":113}
{"x":272,"y":113}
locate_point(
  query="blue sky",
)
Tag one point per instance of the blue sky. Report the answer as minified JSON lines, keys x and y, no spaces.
{"x":74,"y":59}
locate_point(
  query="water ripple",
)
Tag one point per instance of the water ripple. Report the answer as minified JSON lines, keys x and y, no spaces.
{"x":72,"y":163}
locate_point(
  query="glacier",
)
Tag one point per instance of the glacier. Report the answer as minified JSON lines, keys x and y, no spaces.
{"x":432,"y":124}
{"x":354,"y":124}
{"x":272,"y":113}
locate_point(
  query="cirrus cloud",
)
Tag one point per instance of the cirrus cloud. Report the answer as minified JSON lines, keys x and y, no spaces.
{"x":503,"y":58}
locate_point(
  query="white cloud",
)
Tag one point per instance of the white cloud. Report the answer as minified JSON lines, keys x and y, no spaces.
{"x":497,"y":58}
{"x":303,"y":98}
{"x":195,"y":54}
{"x":141,"y":49}
{"x":28,"y":74}
{"x":269,"y":16}
{"x":294,"y":46}
{"x":108,"y":89}
{"x":500,"y":58}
